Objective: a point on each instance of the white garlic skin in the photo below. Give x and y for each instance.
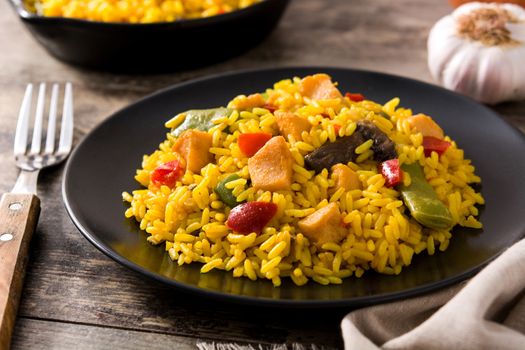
(489, 74)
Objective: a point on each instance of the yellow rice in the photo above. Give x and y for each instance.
(382, 236)
(133, 11)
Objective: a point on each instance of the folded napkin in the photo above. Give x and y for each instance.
(488, 312)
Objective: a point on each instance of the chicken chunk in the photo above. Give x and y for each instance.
(247, 102)
(271, 167)
(324, 225)
(194, 145)
(426, 126)
(319, 87)
(291, 124)
(345, 178)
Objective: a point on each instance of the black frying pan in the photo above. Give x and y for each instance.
(155, 47)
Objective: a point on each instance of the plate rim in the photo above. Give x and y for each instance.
(266, 301)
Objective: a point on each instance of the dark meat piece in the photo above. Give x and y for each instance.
(329, 154)
(343, 149)
(383, 147)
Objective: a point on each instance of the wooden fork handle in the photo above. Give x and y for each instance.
(18, 218)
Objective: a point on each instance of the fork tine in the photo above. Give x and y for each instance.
(66, 132)
(22, 126)
(37, 129)
(51, 123)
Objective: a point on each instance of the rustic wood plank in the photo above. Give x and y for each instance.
(68, 280)
(41, 334)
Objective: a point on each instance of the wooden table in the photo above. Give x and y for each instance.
(75, 296)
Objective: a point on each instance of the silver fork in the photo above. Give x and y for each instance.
(20, 208)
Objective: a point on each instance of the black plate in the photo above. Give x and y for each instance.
(154, 47)
(103, 166)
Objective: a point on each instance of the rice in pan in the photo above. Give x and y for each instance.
(132, 11)
(304, 182)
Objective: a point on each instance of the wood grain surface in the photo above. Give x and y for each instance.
(18, 218)
(76, 297)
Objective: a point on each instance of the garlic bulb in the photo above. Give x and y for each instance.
(479, 51)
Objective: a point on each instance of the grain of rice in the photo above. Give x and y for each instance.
(215, 263)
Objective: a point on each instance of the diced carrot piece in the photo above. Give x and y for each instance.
(291, 124)
(356, 97)
(271, 167)
(432, 144)
(345, 177)
(319, 87)
(426, 126)
(247, 102)
(194, 145)
(167, 173)
(250, 143)
(324, 225)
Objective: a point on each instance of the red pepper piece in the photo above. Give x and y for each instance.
(270, 107)
(337, 128)
(167, 173)
(354, 97)
(250, 143)
(433, 144)
(391, 172)
(251, 217)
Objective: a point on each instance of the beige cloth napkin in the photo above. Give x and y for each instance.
(486, 313)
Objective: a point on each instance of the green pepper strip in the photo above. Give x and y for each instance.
(200, 119)
(422, 200)
(225, 194)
